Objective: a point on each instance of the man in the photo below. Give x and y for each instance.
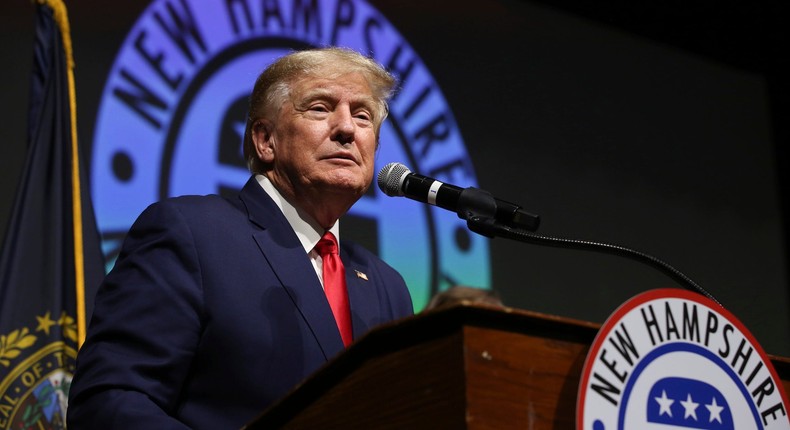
(216, 308)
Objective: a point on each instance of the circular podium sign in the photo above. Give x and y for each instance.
(671, 358)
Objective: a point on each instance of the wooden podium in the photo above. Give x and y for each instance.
(466, 367)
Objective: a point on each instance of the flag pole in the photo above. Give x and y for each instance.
(61, 19)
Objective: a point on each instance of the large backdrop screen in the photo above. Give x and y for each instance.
(609, 135)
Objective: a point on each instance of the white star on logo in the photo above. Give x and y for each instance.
(691, 408)
(664, 402)
(715, 411)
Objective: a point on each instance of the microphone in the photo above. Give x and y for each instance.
(396, 180)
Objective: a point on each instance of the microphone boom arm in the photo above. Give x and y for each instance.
(477, 208)
(492, 217)
(474, 202)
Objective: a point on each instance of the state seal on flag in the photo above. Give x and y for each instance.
(35, 374)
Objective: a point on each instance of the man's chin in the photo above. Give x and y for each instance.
(349, 178)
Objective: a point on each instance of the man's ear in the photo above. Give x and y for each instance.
(263, 140)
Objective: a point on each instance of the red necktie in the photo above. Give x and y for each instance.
(335, 284)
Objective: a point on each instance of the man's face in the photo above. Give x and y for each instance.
(323, 138)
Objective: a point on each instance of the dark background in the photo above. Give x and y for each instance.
(658, 125)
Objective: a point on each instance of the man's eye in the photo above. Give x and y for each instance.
(362, 115)
(319, 108)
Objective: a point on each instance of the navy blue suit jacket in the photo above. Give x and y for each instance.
(212, 312)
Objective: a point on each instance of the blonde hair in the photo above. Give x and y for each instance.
(273, 87)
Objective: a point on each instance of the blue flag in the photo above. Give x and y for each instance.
(51, 262)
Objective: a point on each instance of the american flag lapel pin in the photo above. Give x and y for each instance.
(361, 275)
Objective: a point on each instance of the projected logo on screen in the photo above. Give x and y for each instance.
(172, 115)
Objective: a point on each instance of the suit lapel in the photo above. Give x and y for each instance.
(362, 292)
(285, 254)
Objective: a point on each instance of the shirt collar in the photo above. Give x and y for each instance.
(306, 228)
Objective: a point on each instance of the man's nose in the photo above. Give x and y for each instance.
(343, 126)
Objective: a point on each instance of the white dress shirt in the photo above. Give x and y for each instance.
(306, 228)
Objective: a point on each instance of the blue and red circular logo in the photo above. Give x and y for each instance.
(674, 359)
